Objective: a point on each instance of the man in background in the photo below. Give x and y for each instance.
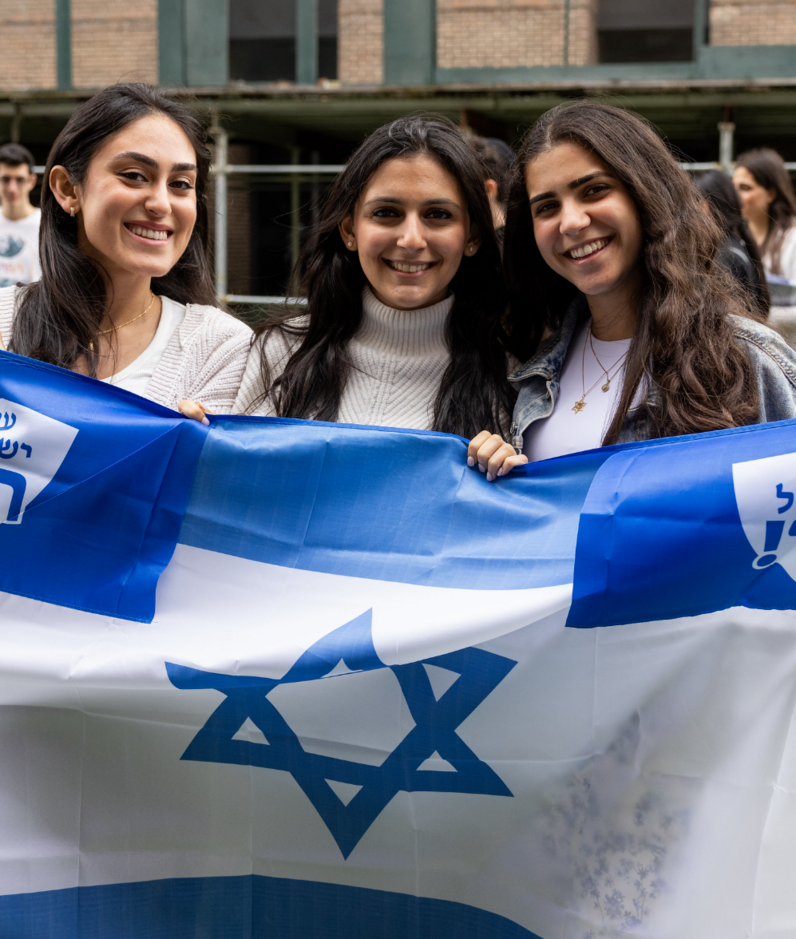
(19, 219)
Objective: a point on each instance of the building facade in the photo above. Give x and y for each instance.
(295, 84)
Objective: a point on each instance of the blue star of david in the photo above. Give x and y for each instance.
(436, 720)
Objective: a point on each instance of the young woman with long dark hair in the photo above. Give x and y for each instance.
(629, 329)
(126, 294)
(404, 296)
(738, 254)
(769, 207)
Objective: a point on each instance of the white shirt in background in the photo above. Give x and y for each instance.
(19, 249)
(566, 431)
(137, 375)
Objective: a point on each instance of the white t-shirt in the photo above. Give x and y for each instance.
(137, 375)
(568, 431)
(19, 249)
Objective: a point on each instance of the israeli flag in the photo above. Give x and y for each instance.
(276, 679)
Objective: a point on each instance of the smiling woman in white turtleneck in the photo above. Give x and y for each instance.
(397, 358)
(404, 297)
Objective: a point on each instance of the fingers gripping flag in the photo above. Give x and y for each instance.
(273, 678)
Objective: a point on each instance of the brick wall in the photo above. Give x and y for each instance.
(512, 33)
(360, 43)
(113, 40)
(27, 44)
(752, 22)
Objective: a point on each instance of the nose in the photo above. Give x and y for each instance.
(574, 217)
(157, 202)
(411, 236)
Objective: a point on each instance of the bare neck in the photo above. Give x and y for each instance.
(759, 228)
(16, 211)
(613, 317)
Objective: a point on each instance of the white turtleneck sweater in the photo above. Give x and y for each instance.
(398, 358)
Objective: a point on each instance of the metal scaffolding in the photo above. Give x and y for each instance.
(296, 173)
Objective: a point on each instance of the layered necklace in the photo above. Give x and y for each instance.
(608, 374)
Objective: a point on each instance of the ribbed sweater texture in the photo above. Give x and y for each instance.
(398, 358)
(204, 360)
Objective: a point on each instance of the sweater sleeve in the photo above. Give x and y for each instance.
(204, 361)
(277, 346)
(8, 301)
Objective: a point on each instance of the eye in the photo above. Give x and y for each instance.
(183, 184)
(385, 212)
(439, 214)
(544, 207)
(134, 176)
(596, 189)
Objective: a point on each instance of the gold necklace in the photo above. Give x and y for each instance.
(104, 332)
(616, 366)
(581, 404)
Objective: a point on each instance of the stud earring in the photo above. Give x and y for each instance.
(350, 243)
(72, 212)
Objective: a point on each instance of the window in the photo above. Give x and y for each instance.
(646, 30)
(262, 40)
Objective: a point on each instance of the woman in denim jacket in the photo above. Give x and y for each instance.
(628, 329)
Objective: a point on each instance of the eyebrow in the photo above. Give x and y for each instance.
(148, 161)
(393, 200)
(573, 185)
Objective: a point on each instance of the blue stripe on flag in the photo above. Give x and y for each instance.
(661, 536)
(249, 906)
(386, 504)
(117, 471)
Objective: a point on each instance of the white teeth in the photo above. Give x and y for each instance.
(149, 233)
(585, 250)
(409, 268)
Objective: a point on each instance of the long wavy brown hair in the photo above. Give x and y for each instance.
(768, 169)
(684, 345)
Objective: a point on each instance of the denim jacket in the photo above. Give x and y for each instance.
(538, 381)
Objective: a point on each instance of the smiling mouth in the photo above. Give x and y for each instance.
(585, 251)
(404, 268)
(150, 233)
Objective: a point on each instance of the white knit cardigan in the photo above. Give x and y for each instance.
(204, 360)
(398, 358)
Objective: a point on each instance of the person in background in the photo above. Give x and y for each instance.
(739, 254)
(629, 329)
(19, 218)
(126, 293)
(405, 299)
(498, 160)
(769, 207)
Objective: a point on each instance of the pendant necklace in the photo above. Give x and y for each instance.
(581, 404)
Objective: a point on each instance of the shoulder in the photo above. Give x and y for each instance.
(278, 342)
(209, 323)
(766, 348)
(275, 345)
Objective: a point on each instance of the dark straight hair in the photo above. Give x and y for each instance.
(684, 346)
(725, 203)
(473, 393)
(59, 316)
(768, 169)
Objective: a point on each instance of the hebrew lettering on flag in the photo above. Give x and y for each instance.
(32, 448)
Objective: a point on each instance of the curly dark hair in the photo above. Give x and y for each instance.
(473, 392)
(684, 345)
